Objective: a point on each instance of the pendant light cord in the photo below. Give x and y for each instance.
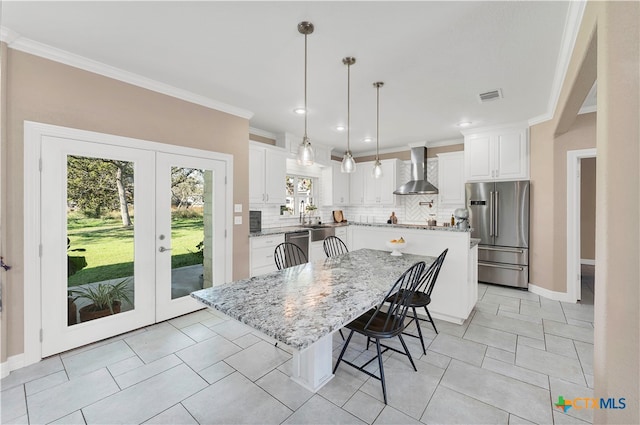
(348, 106)
(305, 87)
(378, 120)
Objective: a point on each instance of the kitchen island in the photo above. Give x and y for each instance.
(456, 290)
(303, 305)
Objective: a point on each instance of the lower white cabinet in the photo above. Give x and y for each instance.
(261, 254)
(341, 232)
(316, 251)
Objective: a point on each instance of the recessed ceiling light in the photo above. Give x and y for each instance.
(464, 124)
(299, 111)
(367, 140)
(340, 128)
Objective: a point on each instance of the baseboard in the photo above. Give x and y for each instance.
(12, 363)
(552, 295)
(587, 262)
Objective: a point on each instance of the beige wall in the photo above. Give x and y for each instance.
(617, 295)
(44, 91)
(608, 46)
(548, 254)
(406, 155)
(262, 139)
(3, 190)
(588, 209)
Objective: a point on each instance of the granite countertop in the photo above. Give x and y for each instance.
(414, 226)
(287, 229)
(299, 305)
(474, 242)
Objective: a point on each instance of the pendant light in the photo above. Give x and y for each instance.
(377, 167)
(348, 163)
(305, 151)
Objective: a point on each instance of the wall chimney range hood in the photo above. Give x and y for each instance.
(418, 185)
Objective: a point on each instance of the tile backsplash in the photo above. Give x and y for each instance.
(408, 208)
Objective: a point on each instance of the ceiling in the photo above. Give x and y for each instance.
(434, 58)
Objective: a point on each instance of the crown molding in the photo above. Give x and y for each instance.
(488, 129)
(8, 35)
(540, 119)
(569, 36)
(588, 109)
(57, 55)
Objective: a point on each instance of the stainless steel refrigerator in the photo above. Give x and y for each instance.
(499, 217)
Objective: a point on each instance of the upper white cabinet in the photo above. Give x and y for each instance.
(497, 155)
(380, 191)
(451, 178)
(356, 184)
(366, 190)
(267, 174)
(290, 143)
(335, 186)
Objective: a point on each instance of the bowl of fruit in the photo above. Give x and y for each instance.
(396, 245)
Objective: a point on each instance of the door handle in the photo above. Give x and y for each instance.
(491, 221)
(163, 249)
(497, 212)
(501, 266)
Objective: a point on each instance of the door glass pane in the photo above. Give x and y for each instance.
(100, 238)
(191, 213)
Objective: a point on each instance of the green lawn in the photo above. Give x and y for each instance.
(109, 247)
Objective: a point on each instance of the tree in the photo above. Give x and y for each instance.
(96, 185)
(187, 186)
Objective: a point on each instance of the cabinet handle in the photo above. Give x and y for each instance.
(267, 195)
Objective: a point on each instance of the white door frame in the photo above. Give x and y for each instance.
(573, 220)
(33, 134)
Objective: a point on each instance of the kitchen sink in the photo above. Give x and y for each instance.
(317, 226)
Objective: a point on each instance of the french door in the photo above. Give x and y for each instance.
(185, 184)
(144, 226)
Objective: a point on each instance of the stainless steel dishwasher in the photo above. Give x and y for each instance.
(300, 238)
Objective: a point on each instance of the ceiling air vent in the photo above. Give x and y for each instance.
(490, 95)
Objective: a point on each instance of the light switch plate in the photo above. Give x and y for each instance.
(237, 208)
(237, 219)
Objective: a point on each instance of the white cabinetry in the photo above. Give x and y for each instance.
(261, 257)
(380, 191)
(366, 190)
(316, 251)
(497, 155)
(290, 143)
(456, 290)
(335, 186)
(267, 173)
(451, 178)
(356, 185)
(341, 232)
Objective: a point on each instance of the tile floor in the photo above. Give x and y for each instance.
(507, 363)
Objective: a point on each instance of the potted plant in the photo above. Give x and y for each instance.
(74, 265)
(311, 209)
(105, 298)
